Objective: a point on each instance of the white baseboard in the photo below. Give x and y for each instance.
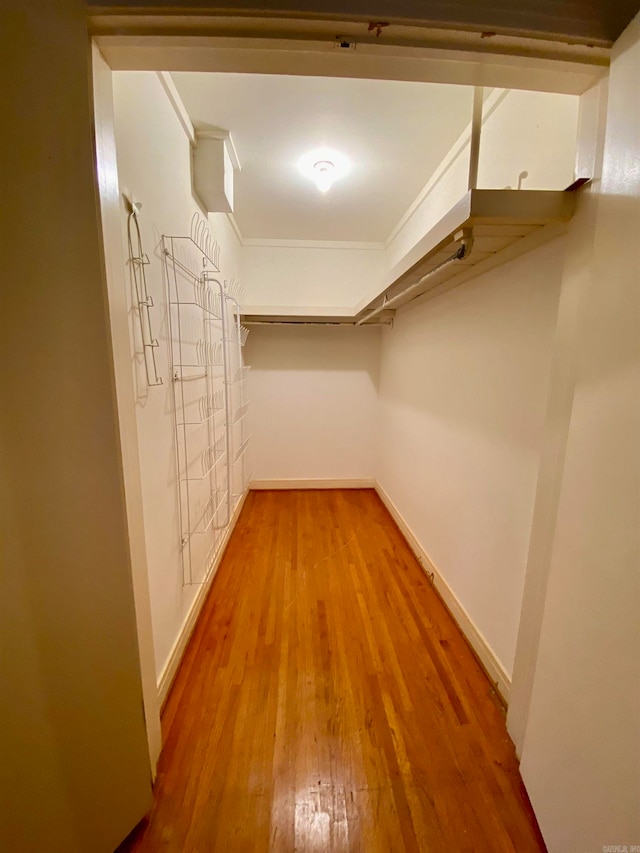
(258, 485)
(478, 643)
(173, 661)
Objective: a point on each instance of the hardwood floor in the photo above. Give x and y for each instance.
(327, 701)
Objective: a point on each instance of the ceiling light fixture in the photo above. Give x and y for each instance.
(324, 174)
(323, 166)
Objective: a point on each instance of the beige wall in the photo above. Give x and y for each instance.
(313, 393)
(581, 749)
(532, 132)
(75, 764)
(154, 166)
(119, 293)
(305, 278)
(576, 271)
(463, 385)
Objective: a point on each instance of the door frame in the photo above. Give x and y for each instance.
(275, 45)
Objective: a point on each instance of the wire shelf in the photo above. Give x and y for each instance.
(207, 354)
(206, 521)
(205, 338)
(241, 413)
(205, 408)
(242, 449)
(211, 312)
(208, 462)
(240, 374)
(199, 246)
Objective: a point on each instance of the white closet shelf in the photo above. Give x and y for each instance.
(497, 225)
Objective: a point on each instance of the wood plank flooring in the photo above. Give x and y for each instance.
(328, 702)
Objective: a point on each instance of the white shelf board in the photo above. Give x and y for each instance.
(504, 224)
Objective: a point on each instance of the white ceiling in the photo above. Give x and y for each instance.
(394, 133)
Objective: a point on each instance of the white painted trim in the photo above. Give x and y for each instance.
(236, 227)
(233, 153)
(259, 485)
(305, 50)
(259, 242)
(300, 310)
(172, 665)
(117, 289)
(176, 102)
(476, 640)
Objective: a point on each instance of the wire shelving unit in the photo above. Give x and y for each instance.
(209, 397)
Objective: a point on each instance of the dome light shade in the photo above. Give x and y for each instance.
(323, 166)
(324, 174)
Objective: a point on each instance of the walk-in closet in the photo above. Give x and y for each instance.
(320, 406)
(353, 287)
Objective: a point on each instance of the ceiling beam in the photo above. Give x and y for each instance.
(573, 21)
(312, 48)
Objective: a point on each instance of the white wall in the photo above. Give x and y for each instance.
(462, 398)
(581, 752)
(576, 270)
(313, 397)
(74, 771)
(532, 132)
(310, 277)
(154, 165)
(521, 131)
(118, 297)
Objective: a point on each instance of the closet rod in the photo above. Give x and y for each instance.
(461, 253)
(384, 322)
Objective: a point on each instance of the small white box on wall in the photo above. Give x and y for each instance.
(214, 164)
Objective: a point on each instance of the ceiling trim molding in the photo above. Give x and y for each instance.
(311, 312)
(266, 243)
(176, 102)
(236, 228)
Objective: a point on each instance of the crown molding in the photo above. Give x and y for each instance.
(235, 227)
(258, 243)
(178, 106)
